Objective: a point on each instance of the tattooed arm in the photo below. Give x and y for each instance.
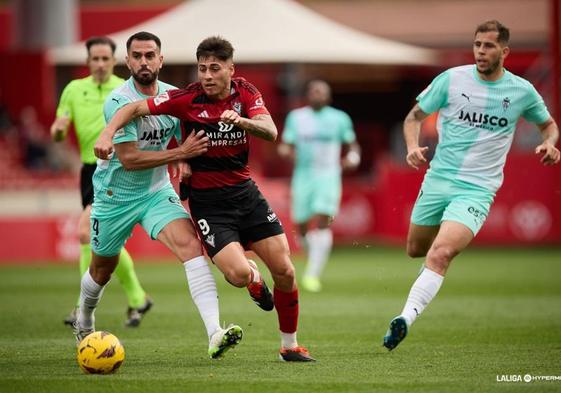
(411, 131)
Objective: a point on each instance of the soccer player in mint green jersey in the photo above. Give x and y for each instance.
(81, 103)
(313, 137)
(133, 187)
(479, 106)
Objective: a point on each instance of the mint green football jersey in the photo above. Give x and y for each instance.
(476, 123)
(112, 182)
(317, 137)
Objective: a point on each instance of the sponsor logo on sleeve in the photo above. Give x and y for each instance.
(259, 103)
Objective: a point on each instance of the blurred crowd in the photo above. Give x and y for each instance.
(25, 142)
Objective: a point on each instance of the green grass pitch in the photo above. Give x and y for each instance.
(498, 313)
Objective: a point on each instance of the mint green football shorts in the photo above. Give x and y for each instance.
(446, 200)
(112, 224)
(312, 195)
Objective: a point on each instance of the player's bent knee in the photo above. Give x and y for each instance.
(439, 257)
(188, 247)
(238, 276)
(284, 276)
(101, 275)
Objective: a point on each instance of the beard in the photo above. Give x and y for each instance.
(491, 69)
(145, 79)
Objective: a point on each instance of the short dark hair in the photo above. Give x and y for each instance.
(144, 36)
(495, 25)
(100, 40)
(215, 46)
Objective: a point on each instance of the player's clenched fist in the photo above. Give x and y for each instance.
(103, 146)
(230, 117)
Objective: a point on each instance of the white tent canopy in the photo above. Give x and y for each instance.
(261, 31)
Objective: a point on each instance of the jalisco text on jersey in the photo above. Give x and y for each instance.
(155, 134)
(483, 118)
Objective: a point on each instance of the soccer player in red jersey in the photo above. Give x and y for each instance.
(230, 212)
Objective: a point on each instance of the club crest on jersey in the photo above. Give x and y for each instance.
(506, 103)
(210, 239)
(161, 98)
(237, 106)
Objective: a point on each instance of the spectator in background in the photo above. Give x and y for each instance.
(35, 140)
(81, 103)
(313, 138)
(7, 128)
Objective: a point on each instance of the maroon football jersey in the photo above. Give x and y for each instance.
(226, 161)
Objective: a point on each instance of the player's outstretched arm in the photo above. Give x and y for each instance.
(261, 126)
(550, 135)
(134, 159)
(411, 130)
(104, 144)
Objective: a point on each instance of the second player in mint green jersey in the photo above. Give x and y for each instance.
(314, 136)
(476, 122)
(479, 106)
(81, 103)
(133, 187)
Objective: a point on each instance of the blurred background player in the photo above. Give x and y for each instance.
(133, 187)
(230, 211)
(81, 103)
(479, 106)
(313, 137)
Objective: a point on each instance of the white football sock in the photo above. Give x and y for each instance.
(203, 292)
(90, 294)
(320, 242)
(288, 340)
(422, 292)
